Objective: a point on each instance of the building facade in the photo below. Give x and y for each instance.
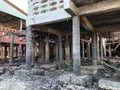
(71, 28)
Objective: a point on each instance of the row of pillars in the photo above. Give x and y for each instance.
(43, 49)
(98, 47)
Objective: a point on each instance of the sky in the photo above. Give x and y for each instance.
(22, 4)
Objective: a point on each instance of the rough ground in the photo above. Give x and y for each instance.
(44, 80)
(17, 78)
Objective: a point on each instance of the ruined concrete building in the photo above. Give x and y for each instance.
(72, 30)
(12, 22)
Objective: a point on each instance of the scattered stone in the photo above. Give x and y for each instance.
(108, 84)
(77, 80)
(22, 66)
(21, 72)
(2, 70)
(48, 67)
(37, 72)
(75, 87)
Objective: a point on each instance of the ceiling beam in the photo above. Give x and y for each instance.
(101, 7)
(87, 24)
(48, 30)
(70, 7)
(109, 28)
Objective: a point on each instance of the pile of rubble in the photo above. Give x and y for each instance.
(48, 78)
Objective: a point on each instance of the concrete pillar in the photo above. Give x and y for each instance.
(21, 25)
(67, 48)
(19, 50)
(76, 45)
(29, 47)
(94, 51)
(101, 47)
(110, 54)
(42, 50)
(98, 49)
(56, 50)
(33, 52)
(88, 49)
(83, 49)
(47, 49)
(11, 48)
(60, 48)
(5, 52)
(104, 46)
(19, 47)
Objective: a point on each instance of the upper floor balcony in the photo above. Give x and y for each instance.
(47, 11)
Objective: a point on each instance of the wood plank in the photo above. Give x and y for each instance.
(101, 7)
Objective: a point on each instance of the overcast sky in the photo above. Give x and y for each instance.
(22, 4)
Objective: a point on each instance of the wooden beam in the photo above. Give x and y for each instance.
(101, 7)
(70, 7)
(87, 24)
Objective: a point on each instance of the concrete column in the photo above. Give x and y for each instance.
(98, 49)
(60, 48)
(5, 52)
(19, 47)
(47, 49)
(11, 48)
(28, 47)
(19, 51)
(56, 50)
(83, 49)
(21, 25)
(33, 52)
(104, 46)
(101, 47)
(67, 48)
(42, 50)
(76, 45)
(88, 49)
(94, 51)
(110, 54)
